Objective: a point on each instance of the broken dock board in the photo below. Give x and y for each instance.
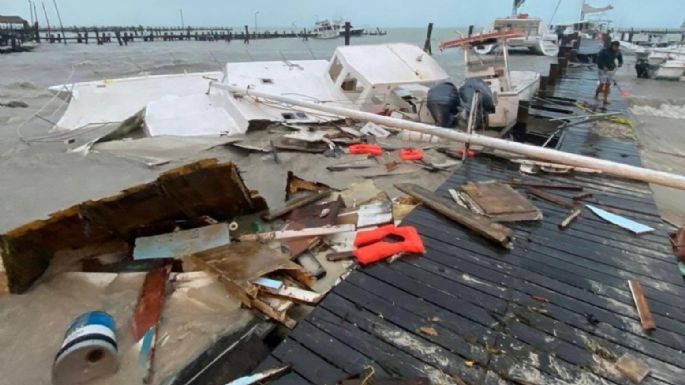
(557, 200)
(642, 307)
(477, 223)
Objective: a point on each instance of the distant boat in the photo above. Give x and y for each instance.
(377, 32)
(327, 29)
(535, 34)
(324, 29)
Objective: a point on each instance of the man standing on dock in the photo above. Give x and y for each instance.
(606, 63)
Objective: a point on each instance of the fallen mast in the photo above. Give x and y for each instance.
(609, 167)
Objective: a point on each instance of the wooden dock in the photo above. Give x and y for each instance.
(557, 309)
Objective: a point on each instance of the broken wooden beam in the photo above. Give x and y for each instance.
(289, 234)
(146, 318)
(581, 196)
(295, 203)
(476, 223)
(553, 186)
(572, 217)
(544, 195)
(641, 304)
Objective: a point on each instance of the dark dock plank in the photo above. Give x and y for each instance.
(503, 317)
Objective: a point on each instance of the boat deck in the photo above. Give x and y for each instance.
(554, 310)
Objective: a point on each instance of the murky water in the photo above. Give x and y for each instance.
(53, 63)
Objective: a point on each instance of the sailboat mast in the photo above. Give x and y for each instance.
(582, 11)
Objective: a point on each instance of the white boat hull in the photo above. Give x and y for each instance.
(671, 70)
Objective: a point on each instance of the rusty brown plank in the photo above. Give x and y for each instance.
(641, 304)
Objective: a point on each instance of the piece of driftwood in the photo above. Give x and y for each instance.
(295, 203)
(641, 304)
(288, 234)
(557, 200)
(572, 217)
(476, 223)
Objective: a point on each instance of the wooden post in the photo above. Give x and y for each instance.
(36, 30)
(347, 33)
(247, 36)
(85, 35)
(118, 35)
(427, 45)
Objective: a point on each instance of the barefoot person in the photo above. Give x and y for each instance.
(606, 63)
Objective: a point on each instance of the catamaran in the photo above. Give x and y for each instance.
(535, 34)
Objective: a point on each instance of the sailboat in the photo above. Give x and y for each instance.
(535, 34)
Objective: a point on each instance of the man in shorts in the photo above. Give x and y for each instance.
(606, 65)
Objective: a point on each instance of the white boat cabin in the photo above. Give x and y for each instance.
(375, 78)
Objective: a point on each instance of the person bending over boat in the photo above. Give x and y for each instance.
(443, 103)
(606, 64)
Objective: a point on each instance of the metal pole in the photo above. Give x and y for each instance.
(180, 10)
(60, 21)
(255, 22)
(31, 12)
(47, 21)
(547, 154)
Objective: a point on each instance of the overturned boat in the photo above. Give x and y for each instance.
(385, 79)
(508, 87)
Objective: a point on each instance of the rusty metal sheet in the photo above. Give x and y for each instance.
(180, 243)
(500, 202)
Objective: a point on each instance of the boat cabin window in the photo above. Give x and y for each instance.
(335, 69)
(352, 87)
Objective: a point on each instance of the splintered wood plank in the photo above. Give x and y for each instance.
(477, 223)
(497, 198)
(642, 307)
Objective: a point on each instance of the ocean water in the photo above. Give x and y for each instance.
(52, 64)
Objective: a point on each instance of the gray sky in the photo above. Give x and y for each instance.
(386, 13)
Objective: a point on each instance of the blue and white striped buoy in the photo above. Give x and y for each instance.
(89, 350)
